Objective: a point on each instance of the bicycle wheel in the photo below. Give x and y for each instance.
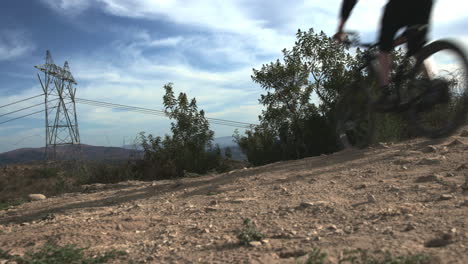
(354, 119)
(440, 80)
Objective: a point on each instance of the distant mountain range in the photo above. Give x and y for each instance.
(97, 152)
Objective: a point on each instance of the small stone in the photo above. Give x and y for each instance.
(255, 243)
(242, 200)
(429, 149)
(265, 241)
(332, 227)
(348, 230)
(306, 205)
(446, 197)
(371, 198)
(214, 202)
(119, 227)
(360, 186)
(404, 168)
(383, 145)
(449, 174)
(313, 204)
(409, 227)
(37, 197)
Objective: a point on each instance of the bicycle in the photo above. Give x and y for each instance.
(432, 101)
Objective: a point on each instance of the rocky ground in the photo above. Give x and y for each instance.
(405, 198)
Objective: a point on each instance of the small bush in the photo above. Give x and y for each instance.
(249, 233)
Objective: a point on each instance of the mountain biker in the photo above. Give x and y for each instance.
(397, 14)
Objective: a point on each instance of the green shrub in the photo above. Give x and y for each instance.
(249, 233)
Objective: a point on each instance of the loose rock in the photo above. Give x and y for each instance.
(255, 243)
(37, 197)
(360, 186)
(446, 197)
(371, 198)
(429, 149)
(383, 145)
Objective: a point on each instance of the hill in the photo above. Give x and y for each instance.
(100, 153)
(88, 152)
(407, 198)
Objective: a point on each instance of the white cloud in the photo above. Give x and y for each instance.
(68, 7)
(447, 11)
(14, 44)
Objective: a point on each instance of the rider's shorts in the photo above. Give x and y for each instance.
(403, 13)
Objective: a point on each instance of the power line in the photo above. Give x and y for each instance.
(154, 112)
(22, 100)
(159, 112)
(141, 110)
(22, 109)
(151, 112)
(22, 117)
(2, 115)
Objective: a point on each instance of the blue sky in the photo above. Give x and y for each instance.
(124, 51)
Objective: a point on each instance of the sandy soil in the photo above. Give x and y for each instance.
(405, 198)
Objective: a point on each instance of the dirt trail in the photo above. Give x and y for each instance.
(394, 198)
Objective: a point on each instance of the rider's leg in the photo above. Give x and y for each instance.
(393, 19)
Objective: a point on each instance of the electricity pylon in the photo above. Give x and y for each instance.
(60, 110)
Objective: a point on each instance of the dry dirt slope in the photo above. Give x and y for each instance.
(396, 198)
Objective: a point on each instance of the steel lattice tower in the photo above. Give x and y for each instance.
(60, 110)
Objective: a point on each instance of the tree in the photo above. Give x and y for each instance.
(292, 126)
(190, 147)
